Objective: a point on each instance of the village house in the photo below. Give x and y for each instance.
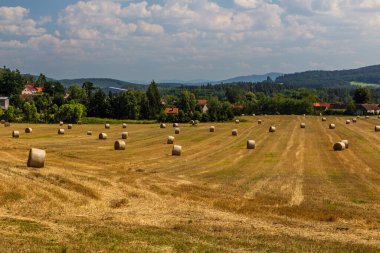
(171, 110)
(4, 103)
(203, 104)
(365, 109)
(29, 90)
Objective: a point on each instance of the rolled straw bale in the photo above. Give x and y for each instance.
(212, 129)
(162, 125)
(28, 130)
(377, 128)
(272, 129)
(345, 143)
(302, 125)
(36, 158)
(366, 117)
(332, 126)
(124, 135)
(234, 132)
(61, 131)
(196, 122)
(259, 121)
(192, 122)
(124, 125)
(119, 145)
(251, 144)
(237, 121)
(304, 115)
(69, 126)
(177, 150)
(348, 122)
(176, 130)
(15, 134)
(89, 132)
(103, 136)
(354, 120)
(175, 125)
(170, 140)
(324, 119)
(253, 114)
(2, 121)
(107, 126)
(7, 124)
(339, 146)
(61, 123)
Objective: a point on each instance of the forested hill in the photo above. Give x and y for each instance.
(104, 83)
(322, 79)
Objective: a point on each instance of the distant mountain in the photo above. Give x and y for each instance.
(252, 78)
(320, 79)
(104, 83)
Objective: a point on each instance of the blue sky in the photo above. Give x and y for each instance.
(186, 39)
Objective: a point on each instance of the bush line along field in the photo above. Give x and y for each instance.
(292, 193)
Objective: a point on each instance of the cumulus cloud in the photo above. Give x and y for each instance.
(15, 21)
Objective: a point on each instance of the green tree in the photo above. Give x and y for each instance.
(154, 100)
(71, 112)
(41, 81)
(187, 102)
(30, 112)
(76, 93)
(9, 114)
(362, 95)
(11, 82)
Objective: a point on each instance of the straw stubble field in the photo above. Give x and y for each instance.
(292, 193)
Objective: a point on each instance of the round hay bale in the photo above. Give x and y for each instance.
(15, 134)
(212, 129)
(378, 116)
(339, 146)
(302, 125)
(366, 117)
(170, 140)
(124, 135)
(175, 125)
(103, 136)
(36, 158)
(162, 125)
(176, 130)
(69, 126)
(345, 143)
(107, 126)
(61, 123)
(253, 114)
(237, 121)
(259, 121)
(332, 126)
(251, 144)
(272, 129)
(7, 124)
(61, 131)
(324, 119)
(89, 132)
(377, 128)
(177, 150)
(234, 132)
(28, 130)
(124, 125)
(2, 121)
(196, 122)
(192, 122)
(348, 122)
(354, 120)
(119, 145)
(304, 115)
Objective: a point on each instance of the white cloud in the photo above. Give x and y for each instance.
(247, 3)
(14, 21)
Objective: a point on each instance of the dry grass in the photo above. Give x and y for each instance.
(291, 194)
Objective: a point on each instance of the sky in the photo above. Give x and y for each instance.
(186, 39)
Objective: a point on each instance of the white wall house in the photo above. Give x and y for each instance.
(4, 103)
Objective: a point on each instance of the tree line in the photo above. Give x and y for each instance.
(58, 103)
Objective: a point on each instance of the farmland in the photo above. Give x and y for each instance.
(292, 193)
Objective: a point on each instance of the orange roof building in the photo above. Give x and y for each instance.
(171, 110)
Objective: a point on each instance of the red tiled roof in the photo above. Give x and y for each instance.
(326, 105)
(171, 110)
(202, 102)
(369, 107)
(40, 89)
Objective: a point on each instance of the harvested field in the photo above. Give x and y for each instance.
(292, 193)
